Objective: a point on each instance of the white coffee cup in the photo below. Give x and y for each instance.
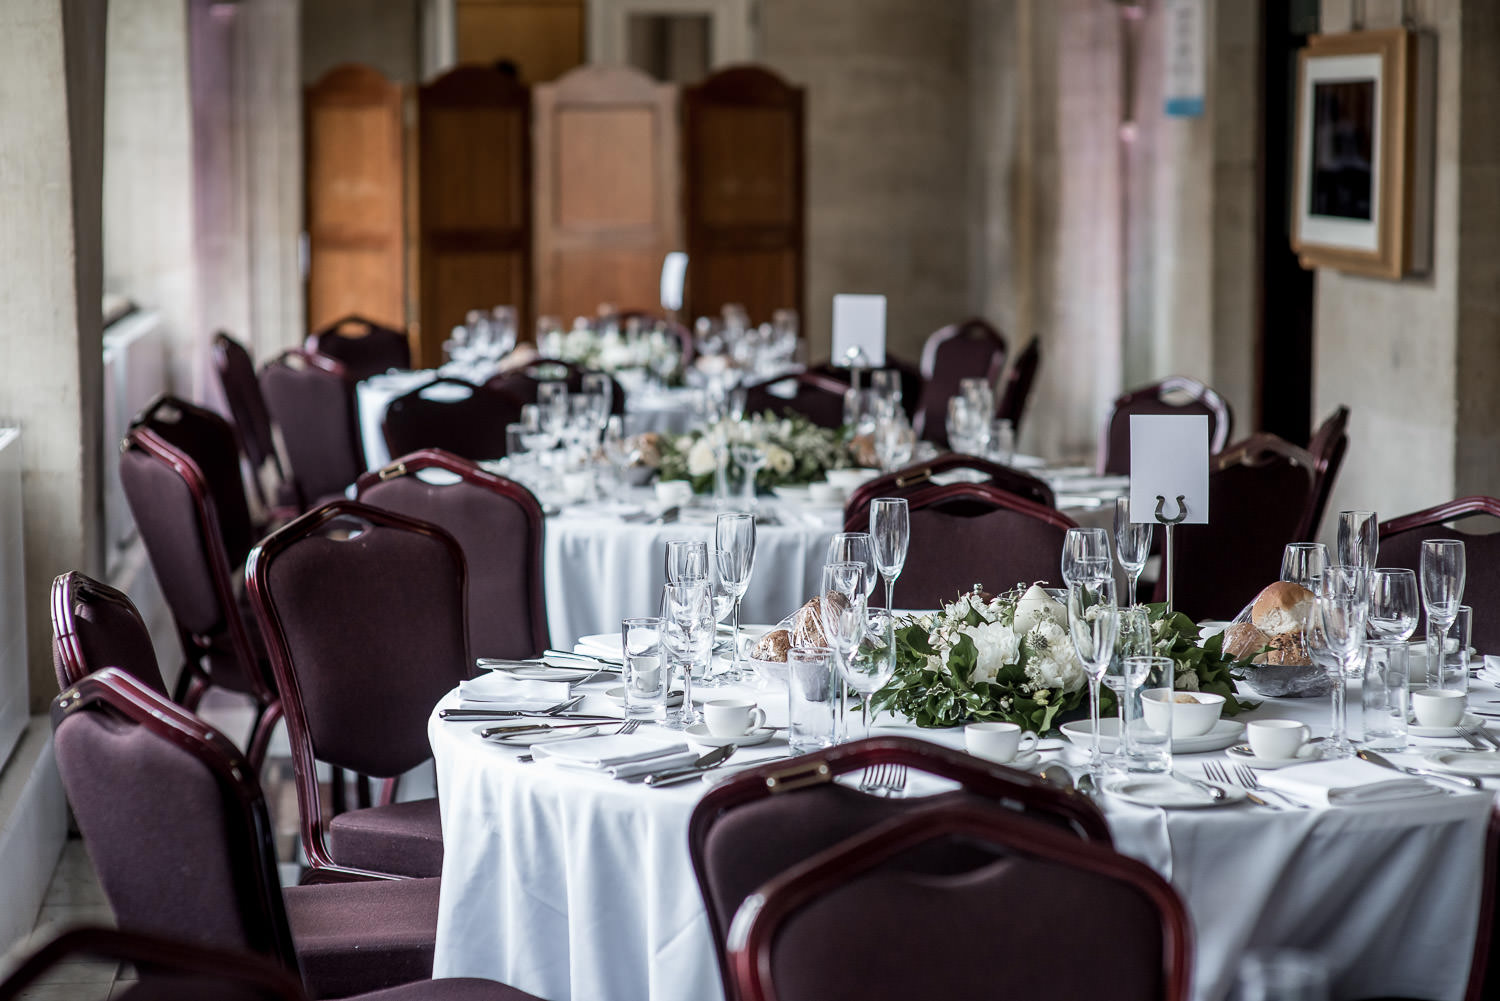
(997, 742)
(671, 492)
(1276, 739)
(1439, 707)
(732, 717)
(825, 493)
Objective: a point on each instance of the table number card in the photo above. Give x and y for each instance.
(859, 325)
(1168, 458)
(673, 278)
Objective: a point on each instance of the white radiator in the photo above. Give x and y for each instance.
(135, 370)
(14, 685)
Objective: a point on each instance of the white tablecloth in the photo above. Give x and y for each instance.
(575, 886)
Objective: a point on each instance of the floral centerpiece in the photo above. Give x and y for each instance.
(1010, 658)
(796, 451)
(612, 351)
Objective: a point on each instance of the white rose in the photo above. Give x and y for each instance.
(997, 647)
(700, 459)
(1053, 662)
(780, 460)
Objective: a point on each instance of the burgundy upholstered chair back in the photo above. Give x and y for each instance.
(909, 374)
(1174, 395)
(95, 626)
(172, 816)
(819, 398)
(246, 404)
(1015, 388)
(440, 415)
(761, 822)
(974, 533)
(857, 898)
(969, 350)
(498, 524)
(1260, 496)
(521, 384)
(311, 398)
(364, 348)
(1327, 447)
(917, 476)
(1401, 546)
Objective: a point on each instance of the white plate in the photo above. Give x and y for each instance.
(544, 672)
(1021, 762)
(617, 696)
(1469, 721)
(792, 493)
(1224, 733)
(1169, 792)
(1479, 763)
(548, 736)
(1243, 754)
(698, 734)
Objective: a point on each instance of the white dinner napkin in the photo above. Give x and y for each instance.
(1346, 782)
(618, 756)
(599, 645)
(497, 690)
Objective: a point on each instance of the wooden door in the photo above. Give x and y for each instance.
(607, 190)
(473, 200)
(542, 38)
(743, 137)
(354, 198)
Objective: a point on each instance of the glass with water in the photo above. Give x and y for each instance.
(1149, 746)
(644, 680)
(1384, 694)
(812, 698)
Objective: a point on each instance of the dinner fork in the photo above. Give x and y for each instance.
(1246, 776)
(884, 779)
(629, 726)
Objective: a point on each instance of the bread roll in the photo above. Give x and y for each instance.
(773, 646)
(1243, 641)
(1288, 649)
(807, 625)
(1281, 608)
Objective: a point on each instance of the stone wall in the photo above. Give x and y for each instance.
(384, 34)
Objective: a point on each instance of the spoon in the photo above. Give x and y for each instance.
(1057, 775)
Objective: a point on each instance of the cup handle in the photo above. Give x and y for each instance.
(1028, 741)
(757, 720)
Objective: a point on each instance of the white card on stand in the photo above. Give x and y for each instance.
(859, 324)
(673, 278)
(1169, 458)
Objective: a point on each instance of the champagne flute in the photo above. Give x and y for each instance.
(1132, 545)
(1393, 603)
(890, 528)
(1443, 574)
(688, 629)
(873, 661)
(1085, 555)
(1358, 540)
(842, 614)
(855, 547)
(1303, 563)
(1093, 622)
(734, 534)
(1343, 602)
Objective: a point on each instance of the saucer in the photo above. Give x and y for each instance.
(617, 696)
(545, 672)
(1482, 764)
(1170, 793)
(548, 736)
(1224, 733)
(1245, 756)
(1024, 762)
(698, 734)
(1469, 721)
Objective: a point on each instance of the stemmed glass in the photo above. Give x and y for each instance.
(1132, 545)
(890, 530)
(1359, 539)
(1303, 563)
(621, 450)
(1443, 573)
(1085, 555)
(1393, 603)
(1132, 643)
(1093, 622)
(855, 547)
(843, 614)
(751, 459)
(688, 629)
(871, 665)
(686, 560)
(734, 535)
(1343, 602)
(894, 442)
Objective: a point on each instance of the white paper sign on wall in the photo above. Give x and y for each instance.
(859, 325)
(1169, 458)
(1185, 72)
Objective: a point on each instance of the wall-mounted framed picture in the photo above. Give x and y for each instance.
(1364, 153)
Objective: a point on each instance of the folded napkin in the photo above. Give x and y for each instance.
(620, 757)
(497, 690)
(599, 645)
(1346, 782)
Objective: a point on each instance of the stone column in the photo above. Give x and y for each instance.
(51, 367)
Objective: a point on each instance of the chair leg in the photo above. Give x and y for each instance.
(266, 719)
(196, 688)
(337, 793)
(362, 792)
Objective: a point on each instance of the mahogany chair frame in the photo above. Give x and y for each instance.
(1016, 386)
(1015, 789)
(252, 419)
(1435, 516)
(322, 867)
(1262, 448)
(335, 332)
(1210, 398)
(903, 481)
(434, 458)
(762, 916)
(933, 495)
(1327, 448)
(815, 381)
(68, 590)
(295, 358)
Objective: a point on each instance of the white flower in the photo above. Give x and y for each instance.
(780, 461)
(1053, 662)
(700, 459)
(1187, 681)
(997, 647)
(1036, 606)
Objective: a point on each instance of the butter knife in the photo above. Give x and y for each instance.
(670, 776)
(1464, 782)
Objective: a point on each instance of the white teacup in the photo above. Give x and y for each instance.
(997, 742)
(825, 493)
(671, 492)
(732, 717)
(1276, 739)
(1439, 707)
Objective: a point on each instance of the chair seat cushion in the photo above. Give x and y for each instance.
(405, 839)
(365, 936)
(455, 989)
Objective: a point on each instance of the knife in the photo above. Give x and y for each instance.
(476, 715)
(712, 759)
(588, 657)
(1464, 782)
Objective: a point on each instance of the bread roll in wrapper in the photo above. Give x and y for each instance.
(1271, 634)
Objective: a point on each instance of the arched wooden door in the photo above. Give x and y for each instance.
(473, 201)
(743, 139)
(607, 189)
(355, 186)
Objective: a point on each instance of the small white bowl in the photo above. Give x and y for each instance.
(674, 491)
(850, 479)
(1189, 719)
(824, 493)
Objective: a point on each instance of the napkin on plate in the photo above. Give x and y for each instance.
(599, 645)
(499, 691)
(620, 757)
(1346, 782)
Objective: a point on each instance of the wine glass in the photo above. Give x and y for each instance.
(855, 547)
(1359, 539)
(1093, 622)
(1085, 555)
(1132, 642)
(688, 629)
(1132, 544)
(1443, 573)
(871, 665)
(890, 530)
(886, 382)
(842, 612)
(734, 536)
(1343, 602)
(751, 458)
(894, 442)
(686, 560)
(1303, 563)
(620, 449)
(1393, 603)
(724, 602)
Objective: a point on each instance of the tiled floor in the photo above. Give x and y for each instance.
(74, 897)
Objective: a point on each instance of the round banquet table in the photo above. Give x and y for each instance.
(572, 885)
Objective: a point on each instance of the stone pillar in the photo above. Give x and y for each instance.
(51, 179)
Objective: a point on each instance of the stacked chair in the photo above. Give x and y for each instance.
(363, 347)
(268, 474)
(311, 398)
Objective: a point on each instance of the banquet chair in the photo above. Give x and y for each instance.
(311, 398)
(1175, 394)
(1327, 447)
(918, 475)
(498, 525)
(1401, 541)
(521, 384)
(971, 349)
(859, 897)
(1015, 388)
(364, 612)
(1261, 495)
(453, 415)
(909, 374)
(973, 533)
(95, 626)
(819, 398)
(253, 421)
(178, 831)
(189, 508)
(762, 821)
(363, 347)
